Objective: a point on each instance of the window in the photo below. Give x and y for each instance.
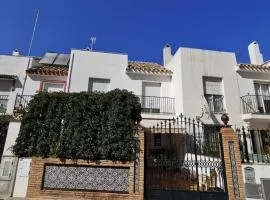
(213, 93)
(249, 175)
(7, 168)
(53, 87)
(3, 103)
(157, 139)
(151, 101)
(98, 84)
(262, 92)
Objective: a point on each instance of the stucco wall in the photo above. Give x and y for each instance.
(13, 131)
(189, 66)
(177, 86)
(261, 171)
(15, 65)
(86, 64)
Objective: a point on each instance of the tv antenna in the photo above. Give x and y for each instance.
(93, 41)
(33, 33)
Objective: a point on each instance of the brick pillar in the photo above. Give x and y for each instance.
(232, 162)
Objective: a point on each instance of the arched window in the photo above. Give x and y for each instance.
(249, 175)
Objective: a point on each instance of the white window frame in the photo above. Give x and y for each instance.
(150, 103)
(55, 83)
(91, 80)
(212, 97)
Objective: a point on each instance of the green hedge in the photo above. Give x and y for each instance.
(80, 126)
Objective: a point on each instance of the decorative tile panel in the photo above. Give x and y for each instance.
(234, 170)
(70, 177)
(136, 167)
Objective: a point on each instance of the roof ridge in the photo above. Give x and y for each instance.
(145, 62)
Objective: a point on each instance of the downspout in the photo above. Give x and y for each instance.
(70, 72)
(25, 78)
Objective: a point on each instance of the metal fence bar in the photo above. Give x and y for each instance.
(187, 157)
(254, 145)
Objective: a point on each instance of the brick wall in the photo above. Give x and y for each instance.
(35, 190)
(228, 135)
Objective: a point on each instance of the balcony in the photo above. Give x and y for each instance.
(21, 102)
(3, 103)
(157, 105)
(255, 107)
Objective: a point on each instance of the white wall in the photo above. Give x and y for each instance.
(176, 83)
(22, 176)
(15, 65)
(86, 64)
(12, 134)
(189, 66)
(261, 171)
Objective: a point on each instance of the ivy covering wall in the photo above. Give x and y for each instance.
(80, 126)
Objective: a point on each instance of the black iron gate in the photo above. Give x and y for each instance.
(183, 160)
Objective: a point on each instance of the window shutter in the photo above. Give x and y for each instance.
(151, 89)
(53, 87)
(212, 86)
(98, 84)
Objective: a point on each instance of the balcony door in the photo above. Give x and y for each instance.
(151, 97)
(213, 94)
(262, 91)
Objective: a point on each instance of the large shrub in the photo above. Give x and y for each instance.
(80, 126)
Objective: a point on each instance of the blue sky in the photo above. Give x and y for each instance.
(139, 28)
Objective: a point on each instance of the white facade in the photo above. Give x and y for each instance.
(203, 84)
(189, 67)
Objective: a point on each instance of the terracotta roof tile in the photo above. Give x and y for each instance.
(52, 70)
(253, 67)
(147, 67)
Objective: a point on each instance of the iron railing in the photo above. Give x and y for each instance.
(254, 145)
(3, 103)
(22, 101)
(256, 104)
(215, 103)
(153, 104)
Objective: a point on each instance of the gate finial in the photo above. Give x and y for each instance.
(225, 119)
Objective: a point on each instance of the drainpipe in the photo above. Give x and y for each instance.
(25, 78)
(70, 72)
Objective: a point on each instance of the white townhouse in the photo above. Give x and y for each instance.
(206, 84)
(81, 70)
(254, 82)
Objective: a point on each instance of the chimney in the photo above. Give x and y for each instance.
(16, 52)
(255, 55)
(167, 54)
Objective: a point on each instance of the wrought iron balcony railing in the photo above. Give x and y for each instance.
(22, 101)
(3, 103)
(150, 104)
(155, 105)
(256, 104)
